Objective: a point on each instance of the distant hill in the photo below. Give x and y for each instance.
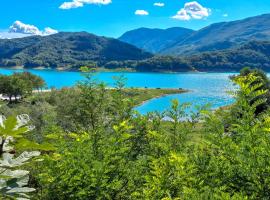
(219, 36)
(155, 40)
(223, 36)
(254, 54)
(69, 50)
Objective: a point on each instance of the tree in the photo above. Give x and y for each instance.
(20, 84)
(264, 83)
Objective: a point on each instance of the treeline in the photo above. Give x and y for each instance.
(103, 149)
(155, 64)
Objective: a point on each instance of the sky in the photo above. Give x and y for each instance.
(114, 17)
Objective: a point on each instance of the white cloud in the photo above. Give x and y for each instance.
(225, 15)
(141, 12)
(49, 31)
(159, 4)
(182, 15)
(72, 4)
(192, 10)
(81, 3)
(19, 27)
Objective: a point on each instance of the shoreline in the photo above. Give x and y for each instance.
(139, 95)
(160, 96)
(123, 70)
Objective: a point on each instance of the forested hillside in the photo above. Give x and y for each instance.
(68, 50)
(255, 54)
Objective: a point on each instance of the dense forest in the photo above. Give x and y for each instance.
(87, 142)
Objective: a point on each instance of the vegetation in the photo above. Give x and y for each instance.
(140, 95)
(254, 54)
(14, 180)
(20, 85)
(103, 149)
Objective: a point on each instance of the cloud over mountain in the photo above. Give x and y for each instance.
(192, 10)
(19, 27)
(27, 29)
(81, 3)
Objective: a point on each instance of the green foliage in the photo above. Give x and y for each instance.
(20, 85)
(14, 181)
(105, 150)
(234, 159)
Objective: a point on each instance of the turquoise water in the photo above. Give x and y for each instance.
(205, 87)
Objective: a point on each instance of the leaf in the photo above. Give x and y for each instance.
(24, 144)
(8, 160)
(21, 190)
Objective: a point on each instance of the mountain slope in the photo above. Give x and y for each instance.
(66, 50)
(254, 54)
(223, 35)
(155, 40)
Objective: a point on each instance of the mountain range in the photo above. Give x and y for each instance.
(226, 46)
(219, 36)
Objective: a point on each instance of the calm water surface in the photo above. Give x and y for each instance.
(205, 87)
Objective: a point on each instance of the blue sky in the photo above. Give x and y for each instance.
(115, 18)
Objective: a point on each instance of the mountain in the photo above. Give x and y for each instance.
(155, 40)
(69, 50)
(219, 36)
(254, 54)
(223, 36)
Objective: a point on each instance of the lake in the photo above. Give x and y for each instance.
(205, 87)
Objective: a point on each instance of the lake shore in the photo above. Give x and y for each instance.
(139, 95)
(143, 95)
(102, 69)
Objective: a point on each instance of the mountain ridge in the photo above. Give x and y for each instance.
(155, 40)
(217, 36)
